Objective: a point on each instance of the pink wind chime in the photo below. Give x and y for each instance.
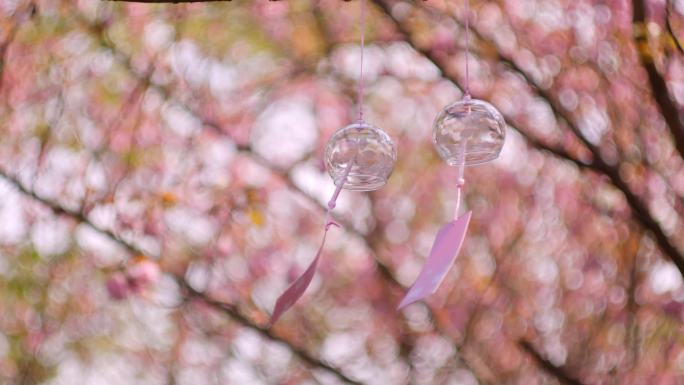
(361, 157)
(358, 157)
(465, 133)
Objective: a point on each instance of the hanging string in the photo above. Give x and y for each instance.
(299, 286)
(444, 250)
(467, 53)
(460, 181)
(362, 23)
(333, 200)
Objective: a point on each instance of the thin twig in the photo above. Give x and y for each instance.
(670, 30)
(558, 372)
(661, 94)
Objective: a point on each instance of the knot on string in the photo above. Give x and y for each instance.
(328, 216)
(331, 223)
(460, 182)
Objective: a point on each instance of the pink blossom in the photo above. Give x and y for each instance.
(142, 273)
(117, 286)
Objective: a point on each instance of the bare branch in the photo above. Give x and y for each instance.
(668, 108)
(670, 30)
(558, 372)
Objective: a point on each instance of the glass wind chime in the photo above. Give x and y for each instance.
(358, 157)
(361, 157)
(467, 132)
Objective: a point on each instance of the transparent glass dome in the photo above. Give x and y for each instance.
(362, 152)
(472, 127)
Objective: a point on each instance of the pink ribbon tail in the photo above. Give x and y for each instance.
(442, 256)
(299, 286)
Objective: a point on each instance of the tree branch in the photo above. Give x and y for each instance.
(661, 94)
(265, 332)
(549, 367)
(670, 30)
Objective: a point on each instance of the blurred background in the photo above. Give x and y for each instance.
(162, 181)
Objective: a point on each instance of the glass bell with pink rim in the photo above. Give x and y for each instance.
(360, 157)
(471, 131)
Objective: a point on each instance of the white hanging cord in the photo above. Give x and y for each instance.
(460, 181)
(363, 45)
(467, 58)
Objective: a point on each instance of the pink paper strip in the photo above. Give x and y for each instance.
(299, 286)
(442, 256)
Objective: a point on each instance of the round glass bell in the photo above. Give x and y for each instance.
(470, 131)
(362, 152)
